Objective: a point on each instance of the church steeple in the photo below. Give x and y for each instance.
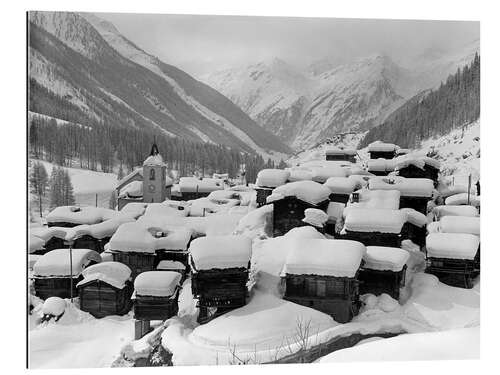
(154, 148)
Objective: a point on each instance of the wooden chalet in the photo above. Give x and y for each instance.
(414, 192)
(417, 167)
(54, 275)
(335, 213)
(51, 238)
(341, 188)
(193, 188)
(383, 271)
(323, 274)
(374, 227)
(156, 295)
(382, 150)
(453, 258)
(340, 154)
(415, 227)
(219, 273)
(106, 289)
(292, 199)
(267, 180)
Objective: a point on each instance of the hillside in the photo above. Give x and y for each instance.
(88, 73)
(455, 103)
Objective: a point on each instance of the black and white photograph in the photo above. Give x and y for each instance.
(220, 190)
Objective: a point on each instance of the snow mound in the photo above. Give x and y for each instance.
(307, 191)
(272, 177)
(315, 217)
(342, 185)
(54, 306)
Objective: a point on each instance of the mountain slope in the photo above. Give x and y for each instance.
(101, 76)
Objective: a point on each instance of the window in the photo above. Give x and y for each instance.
(151, 174)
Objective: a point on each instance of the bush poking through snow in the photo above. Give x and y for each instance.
(53, 307)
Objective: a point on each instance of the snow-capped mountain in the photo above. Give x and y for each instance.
(305, 106)
(82, 65)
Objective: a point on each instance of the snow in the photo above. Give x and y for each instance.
(132, 189)
(463, 199)
(414, 217)
(409, 187)
(54, 306)
(325, 171)
(140, 236)
(35, 243)
(134, 209)
(307, 191)
(342, 185)
(315, 217)
(272, 177)
(413, 159)
(170, 265)
(300, 174)
(446, 191)
(81, 215)
(101, 230)
(381, 199)
(206, 206)
(112, 273)
(374, 220)
(164, 209)
(157, 283)
(304, 232)
(451, 210)
(461, 224)
(459, 344)
(452, 245)
(254, 222)
(154, 160)
(380, 165)
(335, 210)
(434, 227)
(56, 263)
(339, 151)
(220, 252)
(381, 146)
(338, 258)
(385, 258)
(193, 184)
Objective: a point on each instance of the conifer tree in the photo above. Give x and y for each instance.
(38, 180)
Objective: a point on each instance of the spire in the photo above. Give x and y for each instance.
(154, 148)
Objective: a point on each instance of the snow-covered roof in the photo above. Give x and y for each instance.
(414, 217)
(132, 189)
(461, 224)
(374, 220)
(134, 209)
(324, 257)
(141, 237)
(170, 265)
(193, 184)
(35, 243)
(403, 151)
(272, 177)
(385, 258)
(381, 199)
(408, 187)
(324, 172)
(342, 185)
(46, 233)
(81, 215)
(449, 210)
(304, 232)
(101, 230)
(137, 171)
(434, 227)
(220, 252)
(418, 161)
(56, 263)
(154, 160)
(459, 199)
(307, 191)
(379, 146)
(339, 151)
(335, 210)
(204, 206)
(300, 174)
(112, 273)
(157, 283)
(380, 165)
(54, 306)
(314, 216)
(446, 191)
(452, 245)
(164, 209)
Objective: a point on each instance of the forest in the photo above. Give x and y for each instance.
(455, 103)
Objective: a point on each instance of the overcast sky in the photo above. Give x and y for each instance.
(200, 44)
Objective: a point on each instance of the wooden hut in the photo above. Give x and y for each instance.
(452, 257)
(323, 274)
(106, 289)
(374, 227)
(417, 167)
(52, 238)
(341, 188)
(415, 192)
(415, 227)
(52, 272)
(219, 273)
(133, 245)
(382, 150)
(172, 243)
(267, 180)
(383, 271)
(335, 213)
(341, 154)
(291, 200)
(377, 199)
(156, 295)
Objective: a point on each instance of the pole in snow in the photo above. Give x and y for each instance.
(70, 243)
(468, 189)
(96, 200)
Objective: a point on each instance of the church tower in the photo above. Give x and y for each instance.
(154, 177)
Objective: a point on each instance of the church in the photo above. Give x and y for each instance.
(149, 184)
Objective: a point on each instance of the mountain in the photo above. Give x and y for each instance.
(83, 70)
(306, 106)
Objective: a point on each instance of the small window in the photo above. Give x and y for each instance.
(152, 175)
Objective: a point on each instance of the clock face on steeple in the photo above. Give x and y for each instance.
(151, 188)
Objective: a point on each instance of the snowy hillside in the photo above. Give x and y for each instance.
(86, 62)
(303, 106)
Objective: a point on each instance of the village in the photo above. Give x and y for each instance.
(299, 267)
